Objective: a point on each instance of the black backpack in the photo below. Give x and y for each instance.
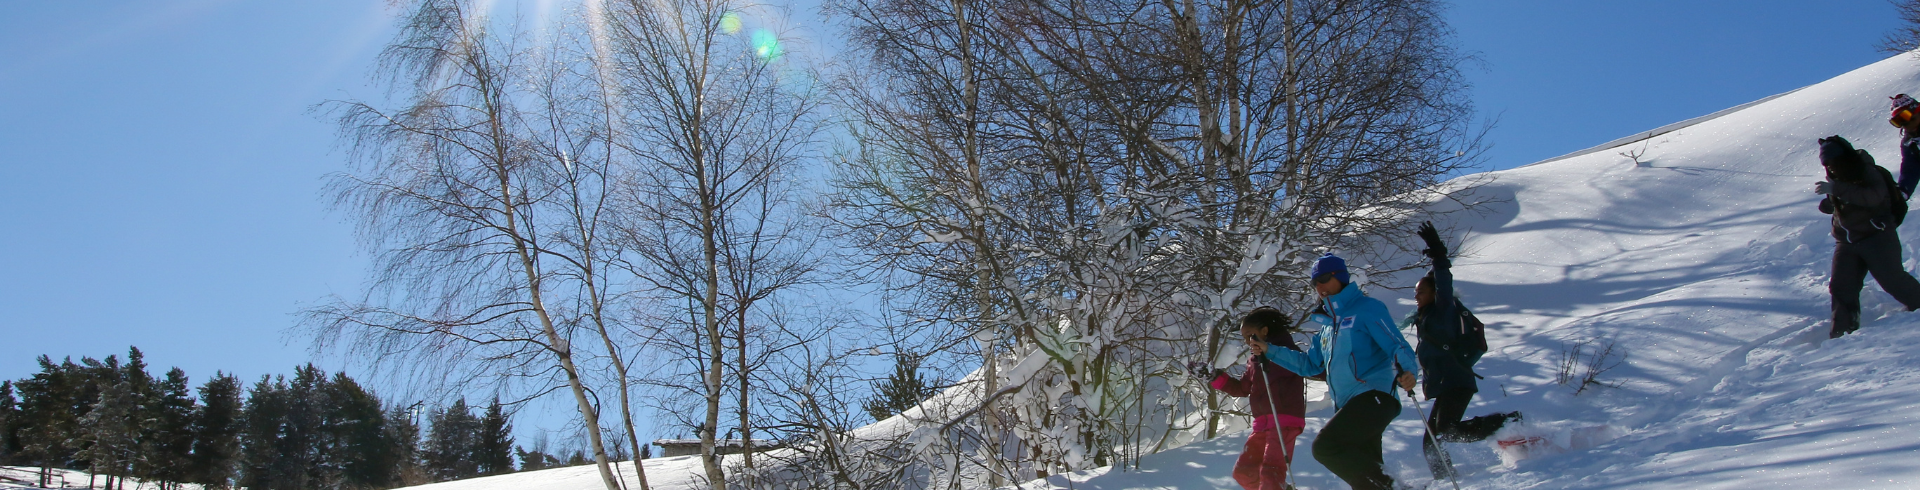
(1472, 342)
(1897, 199)
(1833, 149)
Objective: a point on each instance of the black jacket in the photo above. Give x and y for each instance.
(1438, 326)
(1860, 209)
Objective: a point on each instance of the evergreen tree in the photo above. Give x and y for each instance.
(494, 453)
(108, 432)
(9, 441)
(301, 449)
(902, 390)
(91, 378)
(318, 432)
(273, 442)
(536, 458)
(451, 442)
(216, 433)
(167, 444)
(355, 445)
(48, 415)
(403, 436)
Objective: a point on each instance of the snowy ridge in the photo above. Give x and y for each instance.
(1706, 265)
(1647, 135)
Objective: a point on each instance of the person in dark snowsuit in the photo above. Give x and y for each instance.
(1445, 362)
(1857, 197)
(1906, 116)
(1363, 356)
(1277, 398)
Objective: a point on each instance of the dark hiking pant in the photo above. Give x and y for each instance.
(1878, 255)
(1349, 445)
(1445, 424)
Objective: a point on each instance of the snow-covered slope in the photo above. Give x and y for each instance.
(1706, 265)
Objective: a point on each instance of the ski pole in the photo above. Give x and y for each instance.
(1428, 428)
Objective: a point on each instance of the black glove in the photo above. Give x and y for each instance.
(1436, 249)
(1202, 371)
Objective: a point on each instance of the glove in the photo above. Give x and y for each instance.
(1822, 187)
(1436, 249)
(1201, 371)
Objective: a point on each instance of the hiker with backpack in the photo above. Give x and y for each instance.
(1363, 357)
(1276, 397)
(1868, 206)
(1451, 341)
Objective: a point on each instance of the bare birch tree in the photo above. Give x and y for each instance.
(719, 132)
(485, 198)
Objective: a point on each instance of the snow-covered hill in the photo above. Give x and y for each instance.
(1705, 263)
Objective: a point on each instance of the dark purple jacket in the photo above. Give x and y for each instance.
(1285, 390)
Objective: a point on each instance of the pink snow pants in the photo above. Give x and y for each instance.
(1263, 465)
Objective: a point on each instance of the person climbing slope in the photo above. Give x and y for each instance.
(1275, 396)
(1449, 346)
(1363, 356)
(1906, 116)
(1862, 196)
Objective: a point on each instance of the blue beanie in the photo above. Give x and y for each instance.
(1331, 263)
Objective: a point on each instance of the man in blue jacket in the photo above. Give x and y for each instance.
(1362, 355)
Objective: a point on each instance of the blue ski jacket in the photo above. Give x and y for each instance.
(1359, 350)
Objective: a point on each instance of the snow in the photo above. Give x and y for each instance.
(28, 478)
(1706, 265)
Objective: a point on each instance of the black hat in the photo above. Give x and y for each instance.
(1842, 161)
(1835, 149)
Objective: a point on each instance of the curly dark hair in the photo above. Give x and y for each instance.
(1279, 326)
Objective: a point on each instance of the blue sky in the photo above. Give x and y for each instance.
(160, 174)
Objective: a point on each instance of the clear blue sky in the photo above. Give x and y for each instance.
(160, 175)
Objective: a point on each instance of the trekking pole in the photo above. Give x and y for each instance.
(1428, 428)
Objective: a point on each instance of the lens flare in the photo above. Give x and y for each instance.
(766, 45)
(730, 23)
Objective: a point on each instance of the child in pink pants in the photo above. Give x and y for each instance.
(1277, 398)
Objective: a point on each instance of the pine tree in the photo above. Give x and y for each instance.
(47, 415)
(266, 431)
(451, 442)
(904, 389)
(216, 433)
(108, 431)
(354, 448)
(9, 441)
(403, 435)
(167, 443)
(303, 447)
(494, 453)
(536, 457)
